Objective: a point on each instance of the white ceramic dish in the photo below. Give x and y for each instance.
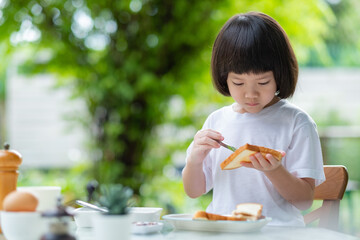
(84, 217)
(146, 227)
(145, 214)
(185, 222)
(22, 225)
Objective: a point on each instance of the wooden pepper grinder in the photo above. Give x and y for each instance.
(10, 161)
(9, 165)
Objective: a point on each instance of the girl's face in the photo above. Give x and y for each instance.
(253, 92)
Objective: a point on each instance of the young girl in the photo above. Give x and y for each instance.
(254, 63)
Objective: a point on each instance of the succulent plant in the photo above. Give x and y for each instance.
(115, 197)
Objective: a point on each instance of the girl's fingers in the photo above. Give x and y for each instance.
(208, 137)
(255, 162)
(271, 159)
(207, 141)
(247, 164)
(264, 163)
(211, 134)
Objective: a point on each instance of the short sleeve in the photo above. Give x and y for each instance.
(304, 156)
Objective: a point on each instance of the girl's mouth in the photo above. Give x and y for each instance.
(252, 104)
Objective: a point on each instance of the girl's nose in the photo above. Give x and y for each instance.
(251, 92)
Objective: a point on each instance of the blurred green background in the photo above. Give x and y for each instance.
(135, 62)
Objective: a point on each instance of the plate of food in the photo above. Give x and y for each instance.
(246, 218)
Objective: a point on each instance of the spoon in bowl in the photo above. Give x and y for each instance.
(91, 206)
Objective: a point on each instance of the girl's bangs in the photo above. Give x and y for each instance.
(248, 50)
(247, 61)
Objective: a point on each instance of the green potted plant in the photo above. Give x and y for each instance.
(116, 222)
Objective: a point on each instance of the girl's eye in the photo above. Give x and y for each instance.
(238, 84)
(264, 83)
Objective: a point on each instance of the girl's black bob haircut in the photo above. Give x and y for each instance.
(254, 43)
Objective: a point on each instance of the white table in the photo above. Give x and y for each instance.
(266, 233)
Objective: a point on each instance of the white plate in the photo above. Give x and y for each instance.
(185, 222)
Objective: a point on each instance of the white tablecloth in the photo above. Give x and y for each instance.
(265, 233)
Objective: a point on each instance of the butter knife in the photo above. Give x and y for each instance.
(231, 148)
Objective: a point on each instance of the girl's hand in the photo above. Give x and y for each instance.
(204, 141)
(258, 162)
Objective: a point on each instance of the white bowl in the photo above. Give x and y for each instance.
(22, 225)
(47, 196)
(84, 217)
(145, 214)
(146, 227)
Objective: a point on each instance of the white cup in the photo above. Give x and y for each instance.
(22, 225)
(47, 196)
(84, 217)
(145, 214)
(112, 227)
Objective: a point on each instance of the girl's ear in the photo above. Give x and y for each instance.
(277, 92)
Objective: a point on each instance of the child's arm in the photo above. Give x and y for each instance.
(193, 175)
(297, 191)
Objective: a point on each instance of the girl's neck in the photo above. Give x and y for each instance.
(237, 108)
(273, 101)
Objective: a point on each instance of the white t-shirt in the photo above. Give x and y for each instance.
(281, 126)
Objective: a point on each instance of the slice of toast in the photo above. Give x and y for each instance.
(243, 153)
(202, 215)
(249, 211)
